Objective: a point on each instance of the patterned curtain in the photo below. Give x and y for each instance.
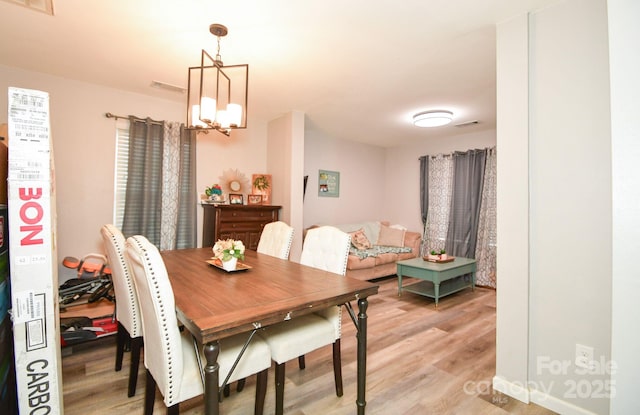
(170, 181)
(160, 201)
(440, 188)
(487, 235)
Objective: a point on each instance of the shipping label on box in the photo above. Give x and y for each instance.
(34, 280)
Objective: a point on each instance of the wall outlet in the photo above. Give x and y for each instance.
(584, 356)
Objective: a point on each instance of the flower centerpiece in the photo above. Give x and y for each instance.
(228, 251)
(214, 193)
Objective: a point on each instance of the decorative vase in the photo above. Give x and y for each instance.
(230, 265)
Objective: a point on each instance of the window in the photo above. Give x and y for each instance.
(121, 171)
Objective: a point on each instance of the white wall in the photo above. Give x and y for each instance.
(512, 299)
(245, 151)
(401, 173)
(570, 160)
(362, 183)
(624, 33)
(569, 182)
(285, 162)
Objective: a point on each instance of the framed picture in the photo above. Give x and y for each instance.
(254, 199)
(261, 185)
(328, 183)
(236, 199)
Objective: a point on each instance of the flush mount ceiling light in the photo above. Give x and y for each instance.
(435, 118)
(217, 94)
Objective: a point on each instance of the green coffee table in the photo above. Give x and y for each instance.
(438, 280)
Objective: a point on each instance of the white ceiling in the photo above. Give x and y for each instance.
(358, 69)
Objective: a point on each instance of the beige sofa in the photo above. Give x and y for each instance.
(389, 243)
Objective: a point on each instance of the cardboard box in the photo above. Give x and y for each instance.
(32, 242)
(4, 162)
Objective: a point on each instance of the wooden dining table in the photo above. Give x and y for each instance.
(214, 304)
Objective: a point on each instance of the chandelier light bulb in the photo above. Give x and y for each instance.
(195, 114)
(234, 114)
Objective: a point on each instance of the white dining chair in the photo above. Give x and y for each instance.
(275, 240)
(127, 307)
(326, 248)
(169, 354)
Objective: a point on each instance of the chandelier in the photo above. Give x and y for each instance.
(217, 94)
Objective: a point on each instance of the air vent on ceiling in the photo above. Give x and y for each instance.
(44, 6)
(168, 87)
(467, 123)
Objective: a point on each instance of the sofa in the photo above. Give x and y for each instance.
(376, 246)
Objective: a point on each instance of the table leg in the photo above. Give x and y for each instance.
(361, 403)
(211, 404)
(399, 284)
(473, 281)
(436, 291)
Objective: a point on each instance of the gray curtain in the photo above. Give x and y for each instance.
(143, 202)
(468, 179)
(424, 188)
(142, 213)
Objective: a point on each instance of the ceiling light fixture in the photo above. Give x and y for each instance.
(435, 118)
(217, 94)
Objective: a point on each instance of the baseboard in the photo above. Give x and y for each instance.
(557, 405)
(544, 400)
(511, 389)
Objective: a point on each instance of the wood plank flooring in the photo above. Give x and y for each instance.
(421, 360)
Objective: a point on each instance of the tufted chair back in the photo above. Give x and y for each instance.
(127, 305)
(127, 309)
(327, 248)
(275, 240)
(163, 350)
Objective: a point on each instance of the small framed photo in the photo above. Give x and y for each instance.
(236, 199)
(254, 199)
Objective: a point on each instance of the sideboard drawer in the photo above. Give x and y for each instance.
(251, 214)
(250, 225)
(237, 222)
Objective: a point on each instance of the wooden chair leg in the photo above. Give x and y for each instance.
(121, 338)
(240, 385)
(337, 367)
(173, 409)
(301, 362)
(149, 394)
(279, 388)
(136, 345)
(261, 391)
(227, 388)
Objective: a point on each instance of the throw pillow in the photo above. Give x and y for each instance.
(359, 239)
(390, 236)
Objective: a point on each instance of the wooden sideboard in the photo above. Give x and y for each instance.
(241, 222)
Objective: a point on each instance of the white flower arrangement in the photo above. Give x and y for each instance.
(224, 250)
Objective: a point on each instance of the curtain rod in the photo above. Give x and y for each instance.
(451, 154)
(434, 156)
(110, 115)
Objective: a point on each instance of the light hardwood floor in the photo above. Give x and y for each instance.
(420, 361)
